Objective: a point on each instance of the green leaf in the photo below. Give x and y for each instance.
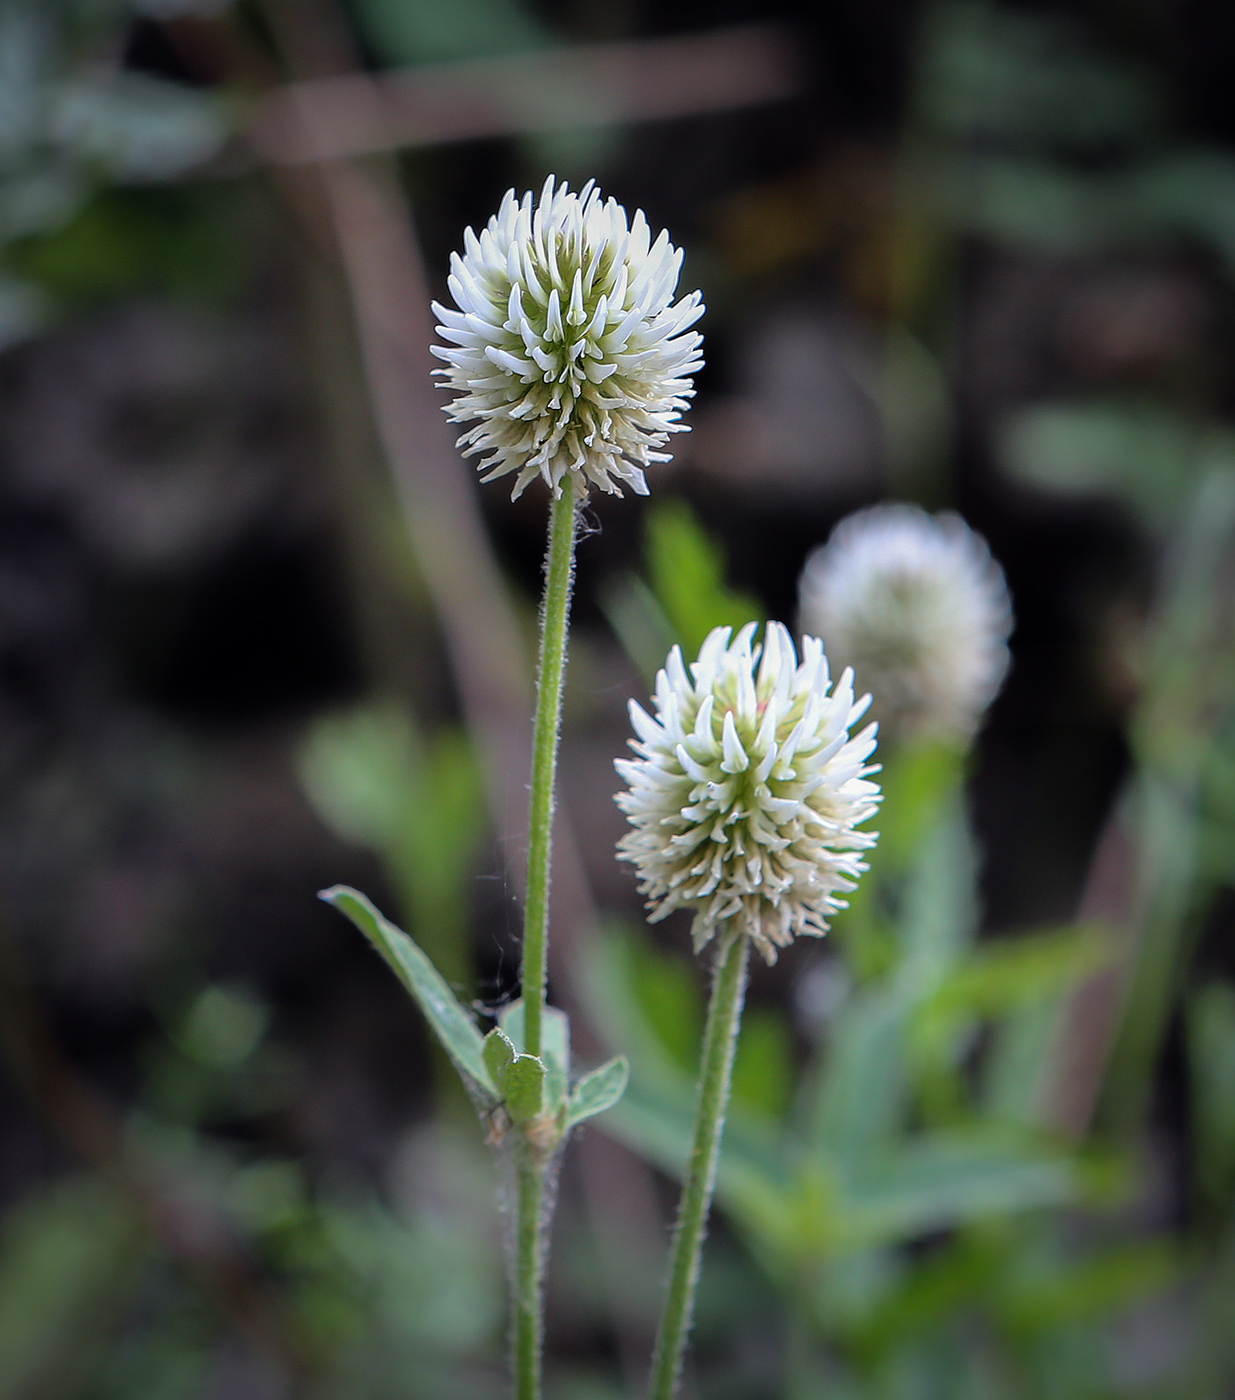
(449, 1020)
(554, 1047)
(862, 1092)
(918, 780)
(1148, 454)
(751, 1182)
(687, 569)
(377, 781)
(945, 1179)
(525, 1088)
(1091, 1288)
(499, 1053)
(597, 1091)
(638, 621)
(1009, 974)
(940, 906)
(670, 995)
(763, 1066)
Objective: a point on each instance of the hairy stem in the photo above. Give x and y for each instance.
(529, 1271)
(555, 615)
(531, 1165)
(720, 1038)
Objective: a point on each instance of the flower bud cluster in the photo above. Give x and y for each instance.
(747, 791)
(920, 610)
(567, 349)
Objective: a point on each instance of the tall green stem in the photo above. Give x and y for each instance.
(529, 1270)
(554, 618)
(720, 1038)
(531, 1161)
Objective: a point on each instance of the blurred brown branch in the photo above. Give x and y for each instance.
(366, 218)
(353, 114)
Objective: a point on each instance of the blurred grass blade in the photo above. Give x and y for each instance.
(687, 570)
(450, 1021)
(943, 1180)
(597, 1091)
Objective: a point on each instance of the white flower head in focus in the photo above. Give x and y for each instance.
(748, 790)
(919, 609)
(567, 350)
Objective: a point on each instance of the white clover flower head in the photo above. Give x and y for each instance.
(919, 609)
(567, 349)
(748, 791)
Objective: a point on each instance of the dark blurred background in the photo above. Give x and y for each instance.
(976, 255)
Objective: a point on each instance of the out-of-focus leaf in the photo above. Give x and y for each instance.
(1193, 192)
(1029, 78)
(917, 780)
(357, 768)
(598, 1090)
(1017, 1063)
(751, 1184)
(425, 31)
(606, 974)
(940, 1180)
(223, 1026)
(763, 1065)
(376, 782)
(863, 1088)
(181, 242)
(136, 126)
(939, 911)
(670, 992)
(1211, 1053)
(1186, 708)
(1147, 454)
(687, 572)
(1081, 1292)
(429, 1272)
(638, 622)
(999, 976)
(450, 1022)
(65, 1254)
(40, 198)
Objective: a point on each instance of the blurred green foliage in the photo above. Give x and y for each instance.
(422, 31)
(71, 124)
(377, 782)
(685, 594)
(904, 1187)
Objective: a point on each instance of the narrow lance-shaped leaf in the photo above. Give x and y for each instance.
(446, 1015)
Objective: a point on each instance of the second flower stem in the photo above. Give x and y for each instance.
(554, 619)
(720, 1037)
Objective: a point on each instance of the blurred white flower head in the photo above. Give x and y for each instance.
(748, 790)
(567, 349)
(920, 610)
